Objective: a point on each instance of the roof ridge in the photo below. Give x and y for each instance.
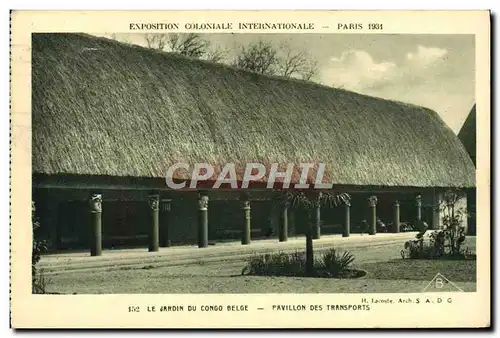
(242, 70)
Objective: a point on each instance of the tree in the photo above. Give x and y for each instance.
(296, 63)
(262, 57)
(216, 55)
(121, 37)
(156, 41)
(453, 218)
(310, 201)
(190, 45)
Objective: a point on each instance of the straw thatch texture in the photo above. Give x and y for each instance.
(101, 107)
(467, 134)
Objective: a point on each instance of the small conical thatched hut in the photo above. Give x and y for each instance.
(467, 135)
(110, 118)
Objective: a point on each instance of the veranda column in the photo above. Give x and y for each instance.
(418, 203)
(95, 202)
(372, 202)
(346, 230)
(246, 233)
(317, 222)
(309, 252)
(291, 222)
(283, 226)
(164, 223)
(154, 230)
(435, 210)
(397, 223)
(49, 207)
(316, 234)
(202, 220)
(471, 211)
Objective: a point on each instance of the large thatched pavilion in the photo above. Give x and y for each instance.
(109, 119)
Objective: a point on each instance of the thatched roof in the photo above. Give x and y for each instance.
(101, 107)
(467, 134)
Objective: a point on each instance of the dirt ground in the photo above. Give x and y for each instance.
(386, 272)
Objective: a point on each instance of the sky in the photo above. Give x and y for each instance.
(434, 71)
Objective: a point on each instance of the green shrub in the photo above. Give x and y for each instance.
(334, 262)
(446, 243)
(37, 279)
(39, 283)
(281, 264)
(417, 249)
(407, 227)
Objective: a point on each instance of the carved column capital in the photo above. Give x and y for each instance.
(154, 202)
(203, 202)
(372, 201)
(246, 205)
(95, 202)
(244, 196)
(166, 204)
(347, 204)
(286, 204)
(246, 209)
(396, 203)
(418, 200)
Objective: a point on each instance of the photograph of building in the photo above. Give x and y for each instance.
(110, 117)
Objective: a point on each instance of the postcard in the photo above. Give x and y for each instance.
(250, 169)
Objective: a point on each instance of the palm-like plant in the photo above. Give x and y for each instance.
(310, 200)
(453, 216)
(336, 262)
